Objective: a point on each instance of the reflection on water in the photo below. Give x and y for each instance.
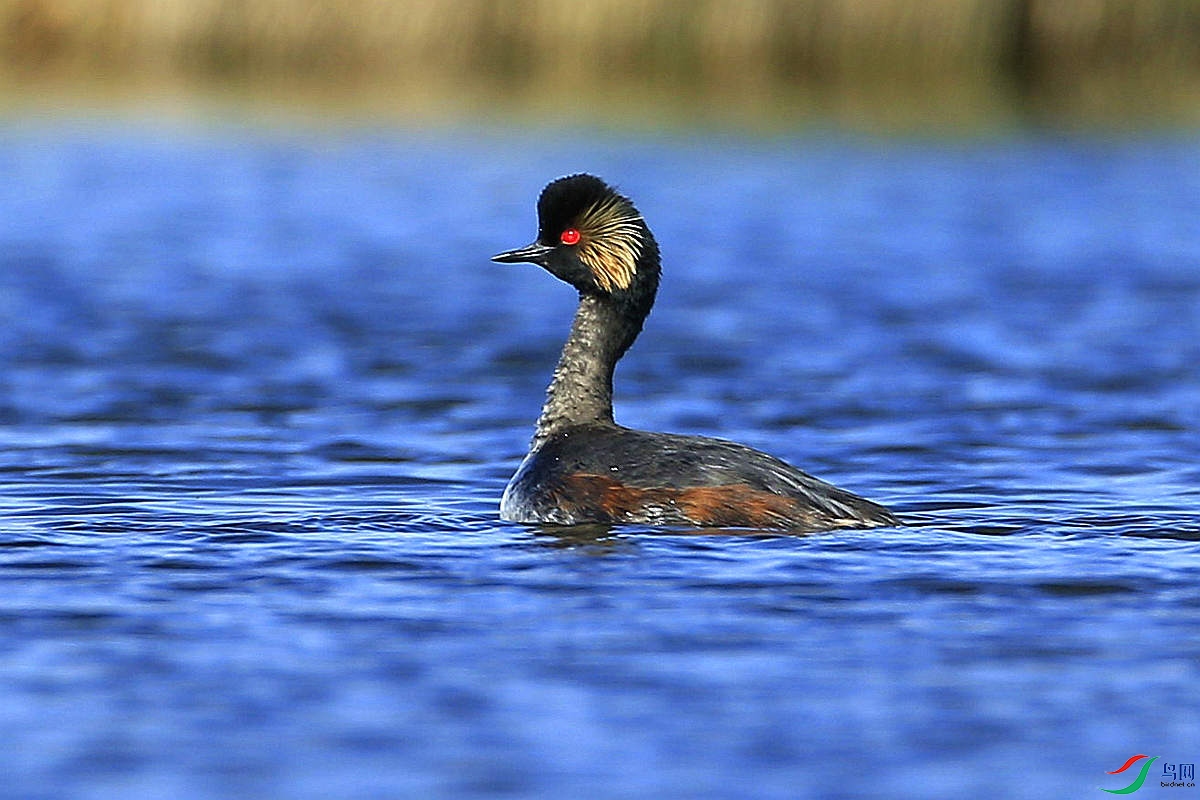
(260, 395)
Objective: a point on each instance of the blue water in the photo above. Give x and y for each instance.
(260, 392)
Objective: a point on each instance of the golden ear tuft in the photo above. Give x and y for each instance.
(611, 242)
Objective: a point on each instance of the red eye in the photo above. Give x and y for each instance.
(569, 236)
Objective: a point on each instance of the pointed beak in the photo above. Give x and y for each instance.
(533, 253)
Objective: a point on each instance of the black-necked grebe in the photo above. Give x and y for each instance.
(584, 468)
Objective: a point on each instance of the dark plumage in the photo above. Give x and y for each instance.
(584, 468)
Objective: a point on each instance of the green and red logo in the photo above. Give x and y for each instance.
(1139, 780)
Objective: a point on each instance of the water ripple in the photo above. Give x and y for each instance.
(253, 436)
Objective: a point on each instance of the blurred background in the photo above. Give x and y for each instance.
(939, 64)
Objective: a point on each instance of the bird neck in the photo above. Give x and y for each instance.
(581, 390)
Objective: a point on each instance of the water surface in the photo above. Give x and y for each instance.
(260, 393)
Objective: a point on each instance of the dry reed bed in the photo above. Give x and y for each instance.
(1091, 52)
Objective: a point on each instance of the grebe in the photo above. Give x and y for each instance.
(584, 468)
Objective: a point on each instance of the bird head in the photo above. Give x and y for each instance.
(593, 238)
